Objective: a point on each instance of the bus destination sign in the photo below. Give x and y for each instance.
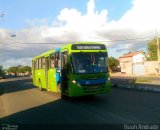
(88, 47)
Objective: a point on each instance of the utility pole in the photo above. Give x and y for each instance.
(158, 51)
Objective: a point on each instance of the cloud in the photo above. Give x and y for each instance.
(141, 20)
(36, 22)
(22, 61)
(71, 25)
(143, 16)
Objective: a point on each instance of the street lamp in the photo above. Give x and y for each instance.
(13, 35)
(2, 15)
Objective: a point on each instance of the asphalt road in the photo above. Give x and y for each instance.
(22, 103)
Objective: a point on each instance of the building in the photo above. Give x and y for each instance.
(132, 63)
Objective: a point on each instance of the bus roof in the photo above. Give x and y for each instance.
(43, 54)
(47, 53)
(71, 47)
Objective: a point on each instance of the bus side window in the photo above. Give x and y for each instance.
(52, 61)
(40, 63)
(43, 63)
(33, 65)
(57, 59)
(36, 63)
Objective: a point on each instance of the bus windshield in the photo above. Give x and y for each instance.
(89, 62)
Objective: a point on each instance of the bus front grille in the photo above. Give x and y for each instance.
(94, 88)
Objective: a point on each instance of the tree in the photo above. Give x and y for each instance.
(113, 63)
(1, 70)
(152, 50)
(13, 69)
(27, 68)
(19, 69)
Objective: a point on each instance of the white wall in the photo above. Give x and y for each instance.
(138, 58)
(151, 68)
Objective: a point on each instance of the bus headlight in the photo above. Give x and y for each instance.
(74, 81)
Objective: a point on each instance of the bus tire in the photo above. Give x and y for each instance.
(40, 85)
(59, 88)
(64, 96)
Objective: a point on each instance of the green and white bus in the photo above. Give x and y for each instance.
(79, 69)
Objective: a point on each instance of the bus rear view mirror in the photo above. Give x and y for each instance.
(58, 70)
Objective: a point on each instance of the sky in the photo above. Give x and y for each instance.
(38, 26)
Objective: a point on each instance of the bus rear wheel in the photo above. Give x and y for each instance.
(64, 96)
(40, 85)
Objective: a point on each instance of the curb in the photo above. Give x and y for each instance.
(137, 87)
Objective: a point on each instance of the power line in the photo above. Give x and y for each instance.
(125, 39)
(43, 43)
(56, 43)
(96, 41)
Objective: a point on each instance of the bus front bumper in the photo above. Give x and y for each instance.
(76, 90)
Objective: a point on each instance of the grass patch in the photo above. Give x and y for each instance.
(132, 81)
(142, 80)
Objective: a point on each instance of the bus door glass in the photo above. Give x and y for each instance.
(57, 66)
(64, 69)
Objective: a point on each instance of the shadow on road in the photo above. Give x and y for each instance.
(117, 108)
(121, 106)
(16, 85)
(63, 111)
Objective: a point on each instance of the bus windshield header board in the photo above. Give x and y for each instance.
(88, 47)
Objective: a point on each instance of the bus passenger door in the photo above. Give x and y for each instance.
(64, 71)
(57, 66)
(46, 71)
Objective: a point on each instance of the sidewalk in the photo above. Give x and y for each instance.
(139, 78)
(125, 75)
(146, 83)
